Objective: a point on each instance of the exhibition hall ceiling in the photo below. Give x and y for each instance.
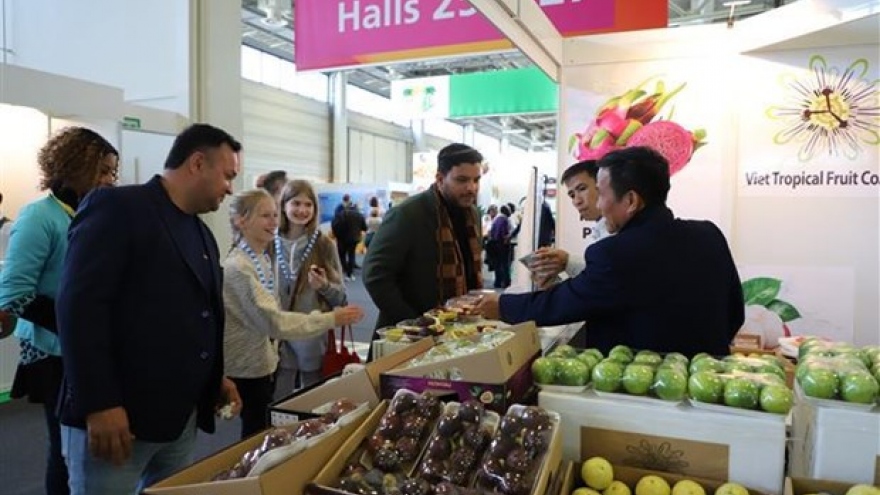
(267, 25)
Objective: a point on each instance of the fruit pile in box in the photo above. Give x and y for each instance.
(755, 382)
(456, 449)
(838, 371)
(600, 477)
(442, 323)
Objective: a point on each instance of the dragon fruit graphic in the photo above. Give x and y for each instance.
(629, 120)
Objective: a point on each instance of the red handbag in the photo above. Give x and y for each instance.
(337, 356)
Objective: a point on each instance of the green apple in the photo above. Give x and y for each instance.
(648, 357)
(742, 393)
(565, 351)
(702, 355)
(675, 366)
(607, 376)
(595, 352)
(589, 359)
(731, 489)
(677, 357)
(820, 383)
(572, 372)
(706, 386)
(637, 378)
(707, 364)
(670, 384)
(620, 356)
(622, 348)
(771, 369)
(544, 370)
(859, 387)
(776, 399)
(688, 487)
(737, 366)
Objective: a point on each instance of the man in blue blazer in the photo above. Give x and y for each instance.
(661, 283)
(140, 317)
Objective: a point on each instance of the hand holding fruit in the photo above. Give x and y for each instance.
(347, 315)
(488, 307)
(317, 278)
(548, 262)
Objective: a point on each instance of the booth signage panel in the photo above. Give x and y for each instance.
(343, 33)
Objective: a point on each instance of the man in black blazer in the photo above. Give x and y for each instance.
(140, 317)
(661, 283)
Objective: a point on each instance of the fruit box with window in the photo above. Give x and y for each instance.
(361, 386)
(498, 377)
(804, 486)
(572, 480)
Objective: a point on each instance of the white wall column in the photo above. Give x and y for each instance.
(468, 131)
(339, 127)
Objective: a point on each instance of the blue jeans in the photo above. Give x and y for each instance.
(149, 463)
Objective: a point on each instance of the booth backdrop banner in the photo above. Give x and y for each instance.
(344, 33)
(810, 124)
(658, 104)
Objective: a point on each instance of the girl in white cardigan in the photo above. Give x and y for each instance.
(254, 318)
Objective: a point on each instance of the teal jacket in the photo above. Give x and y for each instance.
(37, 246)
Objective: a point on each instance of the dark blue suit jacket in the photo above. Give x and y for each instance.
(661, 284)
(140, 326)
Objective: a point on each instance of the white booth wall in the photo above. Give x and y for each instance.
(820, 241)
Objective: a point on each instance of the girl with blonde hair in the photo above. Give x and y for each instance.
(252, 278)
(313, 281)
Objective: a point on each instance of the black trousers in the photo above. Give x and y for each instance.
(256, 395)
(346, 256)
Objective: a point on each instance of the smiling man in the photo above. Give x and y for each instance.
(428, 248)
(660, 283)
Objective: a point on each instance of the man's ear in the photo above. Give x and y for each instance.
(635, 203)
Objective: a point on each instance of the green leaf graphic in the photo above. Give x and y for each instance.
(785, 310)
(760, 291)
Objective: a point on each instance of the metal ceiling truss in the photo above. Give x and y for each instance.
(267, 25)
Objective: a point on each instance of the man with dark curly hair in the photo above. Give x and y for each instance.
(72, 163)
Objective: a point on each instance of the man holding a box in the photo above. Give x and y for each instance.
(661, 283)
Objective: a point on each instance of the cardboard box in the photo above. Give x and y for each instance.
(498, 377)
(329, 475)
(360, 386)
(804, 486)
(749, 450)
(289, 477)
(835, 443)
(631, 476)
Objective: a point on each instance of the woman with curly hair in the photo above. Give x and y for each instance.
(72, 163)
(311, 280)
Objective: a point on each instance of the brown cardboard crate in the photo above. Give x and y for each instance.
(805, 486)
(289, 477)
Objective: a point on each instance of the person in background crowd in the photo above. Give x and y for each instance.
(348, 226)
(140, 316)
(374, 220)
(499, 246)
(273, 182)
(346, 203)
(660, 283)
(548, 262)
(72, 163)
(429, 247)
(488, 247)
(310, 279)
(253, 270)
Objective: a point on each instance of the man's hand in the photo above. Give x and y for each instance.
(548, 262)
(488, 306)
(229, 397)
(109, 436)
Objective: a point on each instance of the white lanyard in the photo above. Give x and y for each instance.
(267, 282)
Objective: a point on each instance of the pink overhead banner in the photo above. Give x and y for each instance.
(342, 33)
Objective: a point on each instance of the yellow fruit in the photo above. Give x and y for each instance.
(597, 473)
(652, 485)
(863, 490)
(585, 491)
(617, 488)
(688, 487)
(731, 489)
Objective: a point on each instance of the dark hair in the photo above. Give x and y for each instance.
(274, 181)
(346, 198)
(639, 169)
(455, 154)
(198, 137)
(374, 202)
(511, 207)
(505, 210)
(72, 158)
(588, 167)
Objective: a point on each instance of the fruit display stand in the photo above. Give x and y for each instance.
(839, 442)
(743, 448)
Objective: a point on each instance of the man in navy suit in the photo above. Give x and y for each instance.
(140, 317)
(661, 283)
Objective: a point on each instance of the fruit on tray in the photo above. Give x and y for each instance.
(597, 473)
(599, 477)
(839, 371)
(459, 441)
(746, 382)
(645, 373)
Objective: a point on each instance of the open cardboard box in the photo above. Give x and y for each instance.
(287, 478)
(804, 486)
(328, 477)
(497, 377)
(630, 476)
(360, 386)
